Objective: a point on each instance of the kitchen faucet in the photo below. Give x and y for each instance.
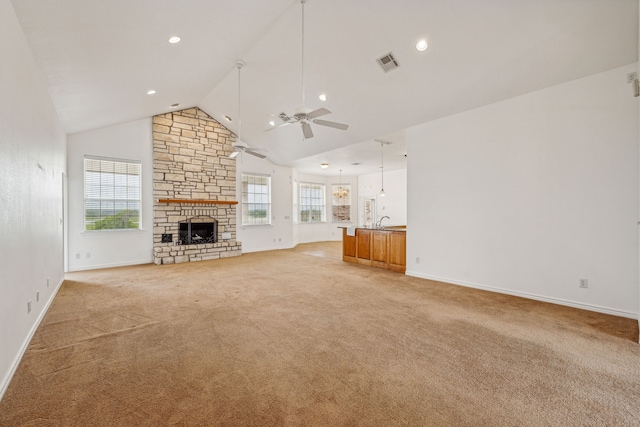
(380, 221)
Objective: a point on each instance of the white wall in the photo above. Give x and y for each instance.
(110, 248)
(278, 235)
(284, 232)
(32, 163)
(328, 230)
(394, 203)
(529, 195)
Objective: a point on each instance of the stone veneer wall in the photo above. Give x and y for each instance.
(190, 162)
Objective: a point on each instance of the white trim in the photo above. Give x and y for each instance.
(117, 264)
(559, 301)
(244, 205)
(112, 159)
(16, 361)
(266, 249)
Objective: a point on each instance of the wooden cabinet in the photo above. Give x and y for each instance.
(380, 249)
(363, 238)
(398, 251)
(377, 248)
(349, 247)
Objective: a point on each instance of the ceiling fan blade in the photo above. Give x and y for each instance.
(335, 125)
(276, 127)
(317, 113)
(306, 130)
(254, 153)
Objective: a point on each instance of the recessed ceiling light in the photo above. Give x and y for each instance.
(151, 92)
(272, 123)
(174, 39)
(176, 105)
(227, 118)
(323, 97)
(422, 45)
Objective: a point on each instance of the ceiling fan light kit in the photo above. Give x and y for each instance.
(238, 145)
(303, 115)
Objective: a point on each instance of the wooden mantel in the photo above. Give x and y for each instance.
(199, 201)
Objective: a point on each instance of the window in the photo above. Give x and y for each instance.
(294, 208)
(256, 199)
(311, 202)
(111, 194)
(341, 202)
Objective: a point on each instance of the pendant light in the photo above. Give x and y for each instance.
(381, 169)
(341, 192)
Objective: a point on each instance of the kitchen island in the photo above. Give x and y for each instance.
(376, 247)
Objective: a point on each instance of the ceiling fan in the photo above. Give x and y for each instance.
(239, 146)
(303, 115)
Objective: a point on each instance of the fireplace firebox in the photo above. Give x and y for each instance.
(198, 230)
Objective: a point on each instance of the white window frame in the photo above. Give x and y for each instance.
(309, 203)
(112, 186)
(251, 198)
(296, 199)
(339, 203)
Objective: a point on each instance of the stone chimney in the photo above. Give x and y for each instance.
(192, 177)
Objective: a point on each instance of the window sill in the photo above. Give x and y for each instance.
(123, 230)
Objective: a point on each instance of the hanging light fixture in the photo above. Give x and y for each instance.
(381, 169)
(239, 66)
(341, 192)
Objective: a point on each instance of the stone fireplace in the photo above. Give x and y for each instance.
(198, 230)
(194, 186)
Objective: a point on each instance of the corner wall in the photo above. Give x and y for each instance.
(328, 230)
(278, 235)
(530, 195)
(32, 165)
(110, 248)
(394, 202)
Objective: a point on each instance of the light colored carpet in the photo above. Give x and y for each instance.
(298, 337)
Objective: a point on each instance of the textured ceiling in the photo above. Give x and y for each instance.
(99, 58)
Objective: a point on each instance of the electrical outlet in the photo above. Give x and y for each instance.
(417, 260)
(37, 296)
(47, 282)
(584, 283)
(631, 77)
(29, 306)
(88, 255)
(78, 255)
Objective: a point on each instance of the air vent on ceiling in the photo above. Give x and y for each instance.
(388, 62)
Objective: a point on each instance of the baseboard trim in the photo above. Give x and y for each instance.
(559, 301)
(117, 264)
(279, 248)
(16, 361)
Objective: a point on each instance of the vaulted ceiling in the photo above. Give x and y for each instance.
(99, 59)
